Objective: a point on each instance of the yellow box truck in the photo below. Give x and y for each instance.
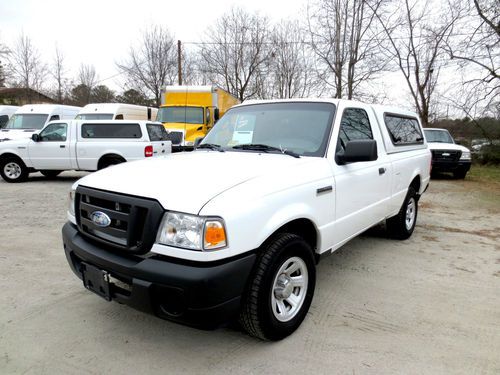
(191, 111)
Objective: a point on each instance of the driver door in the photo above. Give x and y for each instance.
(52, 150)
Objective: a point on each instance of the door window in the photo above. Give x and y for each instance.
(54, 133)
(354, 125)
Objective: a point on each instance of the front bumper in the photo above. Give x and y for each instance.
(193, 293)
(451, 166)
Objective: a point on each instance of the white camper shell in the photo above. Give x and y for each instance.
(32, 117)
(6, 111)
(116, 111)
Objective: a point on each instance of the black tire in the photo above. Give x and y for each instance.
(107, 162)
(50, 173)
(257, 316)
(13, 169)
(459, 174)
(398, 226)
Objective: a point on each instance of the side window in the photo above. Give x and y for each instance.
(54, 118)
(354, 126)
(119, 117)
(111, 131)
(54, 133)
(3, 120)
(403, 130)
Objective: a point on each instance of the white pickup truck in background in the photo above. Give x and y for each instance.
(278, 185)
(81, 145)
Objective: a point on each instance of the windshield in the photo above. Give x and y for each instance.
(301, 128)
(94, 116)
(187, 115)
(27, 121)
(440, 136)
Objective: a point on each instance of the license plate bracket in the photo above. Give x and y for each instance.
(96, 280)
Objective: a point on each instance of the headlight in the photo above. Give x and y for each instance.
(465, 155)
(191, 232)
(71, 202)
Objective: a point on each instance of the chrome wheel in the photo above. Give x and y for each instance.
(12, 170)
(289, 289)
(411, 213)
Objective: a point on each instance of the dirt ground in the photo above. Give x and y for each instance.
(428, 305)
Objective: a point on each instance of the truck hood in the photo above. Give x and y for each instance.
(187, 181)
(446, 146)
(16, 133)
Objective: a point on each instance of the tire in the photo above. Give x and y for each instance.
(50, 173)
(109, 162)
(402, 225)
(459, 174)
(266, 309)
(13, 169)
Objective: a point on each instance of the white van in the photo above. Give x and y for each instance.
(32, 117)
(6, 111)
(116, 111)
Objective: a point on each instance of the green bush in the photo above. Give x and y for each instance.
(489, 155)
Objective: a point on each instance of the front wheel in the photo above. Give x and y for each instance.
(281, 289)
(402, 225)
(459, 174)
(13, 170)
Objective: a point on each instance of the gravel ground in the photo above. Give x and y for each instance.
(430, 304)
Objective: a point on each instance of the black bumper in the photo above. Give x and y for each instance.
(193, 293)
(450, 166)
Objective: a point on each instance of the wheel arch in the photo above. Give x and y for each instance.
(109, 156)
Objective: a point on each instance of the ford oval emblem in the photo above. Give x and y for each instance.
(100, 219)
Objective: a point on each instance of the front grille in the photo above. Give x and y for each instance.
(446, 155)
(133, 222)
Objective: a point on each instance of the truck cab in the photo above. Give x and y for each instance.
(193, 110)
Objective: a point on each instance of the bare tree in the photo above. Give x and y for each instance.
(235, 52)
(153, 65)
(417, 34)
(477, 51)
(346, 39)
(26, 68)
(291, 66)
(87, 80)
(3, 54)
(58, 72)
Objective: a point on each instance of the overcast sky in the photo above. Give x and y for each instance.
(100, 32)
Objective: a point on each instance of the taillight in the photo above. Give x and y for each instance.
(148, 151)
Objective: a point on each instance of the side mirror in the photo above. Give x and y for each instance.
(207, 116)
(35, 137)
(356, 151)
(216, 114)
(197, 142)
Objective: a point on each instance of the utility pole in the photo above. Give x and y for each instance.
(179, 62)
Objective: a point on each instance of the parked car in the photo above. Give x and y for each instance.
(81, 145)
(447, 156)
(32, 117)
(240, 237)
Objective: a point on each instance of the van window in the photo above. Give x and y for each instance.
(54, 118)
(354, 125)
(94, 116)
(27, 121)
(157, 132)
(403, 130)
(119, 117)
(54, 133)
(111, 131)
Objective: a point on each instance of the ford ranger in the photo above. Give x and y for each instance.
(278, 185)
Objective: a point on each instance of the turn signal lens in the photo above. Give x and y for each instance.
(215, 235)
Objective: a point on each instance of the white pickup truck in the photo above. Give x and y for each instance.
(81, 145)
(278, 185)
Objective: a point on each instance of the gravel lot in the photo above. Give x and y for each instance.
(430, 304)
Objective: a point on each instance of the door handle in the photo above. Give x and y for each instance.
(381, 171)
(62, 146)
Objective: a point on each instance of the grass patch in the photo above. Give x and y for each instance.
(486, 184)
(484, 173)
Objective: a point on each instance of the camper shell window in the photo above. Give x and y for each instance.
(403, 130)
(111, 131)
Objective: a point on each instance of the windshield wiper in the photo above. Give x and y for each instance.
(265, 148)
(211, 146)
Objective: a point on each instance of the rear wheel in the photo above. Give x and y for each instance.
(402, 225)
(281, 289)
(13, 170)
(109, 161)
(50, 173)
